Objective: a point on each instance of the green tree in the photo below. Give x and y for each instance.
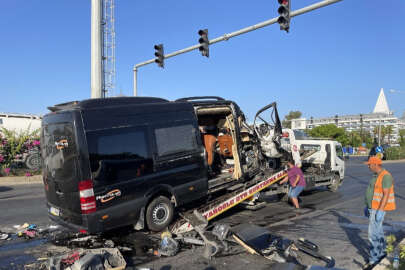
(377, 133)
(368, 139)
(330, 131)
(402, 137)
(355, 138)
(286, 123)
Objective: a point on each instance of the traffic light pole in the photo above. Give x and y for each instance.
(234, 34)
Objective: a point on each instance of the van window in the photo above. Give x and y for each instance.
(58, 150)
(172, 140)
(339, 151)
(119, 154)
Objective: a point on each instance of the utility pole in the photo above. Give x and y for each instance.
(379, 130)
(226, 37)
(96, 49)
(102, 48)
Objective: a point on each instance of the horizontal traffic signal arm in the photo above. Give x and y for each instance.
(243, 31)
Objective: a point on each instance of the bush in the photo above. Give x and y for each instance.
(391, 242)
(14, 147)
(393, 153)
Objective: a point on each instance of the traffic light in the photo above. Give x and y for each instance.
(284, 18)
(160, 56)
(204, 41)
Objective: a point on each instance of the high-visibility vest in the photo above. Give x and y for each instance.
(378, 194)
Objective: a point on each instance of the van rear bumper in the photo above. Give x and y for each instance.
(74, 222)
(94, 223)
(71, 226)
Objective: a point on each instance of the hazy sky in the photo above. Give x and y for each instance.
(333, 61)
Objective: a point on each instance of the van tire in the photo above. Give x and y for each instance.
(335, 183)
(159, 214)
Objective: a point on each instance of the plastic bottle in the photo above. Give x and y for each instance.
(395, 260)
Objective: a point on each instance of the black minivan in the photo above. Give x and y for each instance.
(118, 161)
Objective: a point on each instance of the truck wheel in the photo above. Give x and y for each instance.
(335, 183)
(33, 161)
(159, 213)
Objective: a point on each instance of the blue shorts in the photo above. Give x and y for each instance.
(295, 191)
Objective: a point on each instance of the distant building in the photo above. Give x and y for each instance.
(20, 122)
(381, 115)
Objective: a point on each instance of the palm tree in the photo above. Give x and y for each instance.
(377, 133)
(389, 130)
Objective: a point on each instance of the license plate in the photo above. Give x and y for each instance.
(54, 211)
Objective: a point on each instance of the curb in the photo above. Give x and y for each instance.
(20, 180)
(386, 263)
(393, 161)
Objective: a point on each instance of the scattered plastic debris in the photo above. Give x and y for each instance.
(258, 240)
(94, 259)
(168, 246)
(4, 236)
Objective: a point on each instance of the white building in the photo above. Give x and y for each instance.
(20, 122)
(381, 115)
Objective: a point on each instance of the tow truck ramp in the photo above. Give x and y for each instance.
(226, 202)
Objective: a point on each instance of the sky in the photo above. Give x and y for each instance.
(333, 61)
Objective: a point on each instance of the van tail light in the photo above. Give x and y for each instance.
(87, 198)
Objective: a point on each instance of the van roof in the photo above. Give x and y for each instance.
(104, 102)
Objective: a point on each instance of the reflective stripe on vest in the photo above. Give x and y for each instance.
(378, 194)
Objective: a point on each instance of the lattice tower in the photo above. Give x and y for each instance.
(108, 52)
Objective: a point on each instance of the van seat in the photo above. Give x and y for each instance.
(209, 141)
(225, 145)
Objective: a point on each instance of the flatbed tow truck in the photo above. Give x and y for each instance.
(321, 161)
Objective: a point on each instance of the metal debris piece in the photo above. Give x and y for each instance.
(191, 240)
(221, 231)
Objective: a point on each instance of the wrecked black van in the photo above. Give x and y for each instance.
(134, 160)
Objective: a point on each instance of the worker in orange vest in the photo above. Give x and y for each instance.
(379, 199)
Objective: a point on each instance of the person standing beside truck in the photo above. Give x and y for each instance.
(379, 198)
(295, 176)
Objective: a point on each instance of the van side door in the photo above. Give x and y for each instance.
(179, 159)
(121, 167)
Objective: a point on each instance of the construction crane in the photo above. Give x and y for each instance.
(102, 48)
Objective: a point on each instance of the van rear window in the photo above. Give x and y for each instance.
(119, 154)
(58, 150)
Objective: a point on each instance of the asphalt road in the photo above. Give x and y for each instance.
(334, 221)
(20, 204)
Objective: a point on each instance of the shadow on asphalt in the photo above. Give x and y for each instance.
(4, 189)
(353, 234)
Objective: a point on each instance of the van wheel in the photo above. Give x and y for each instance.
(335, 183)
(159, 213)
